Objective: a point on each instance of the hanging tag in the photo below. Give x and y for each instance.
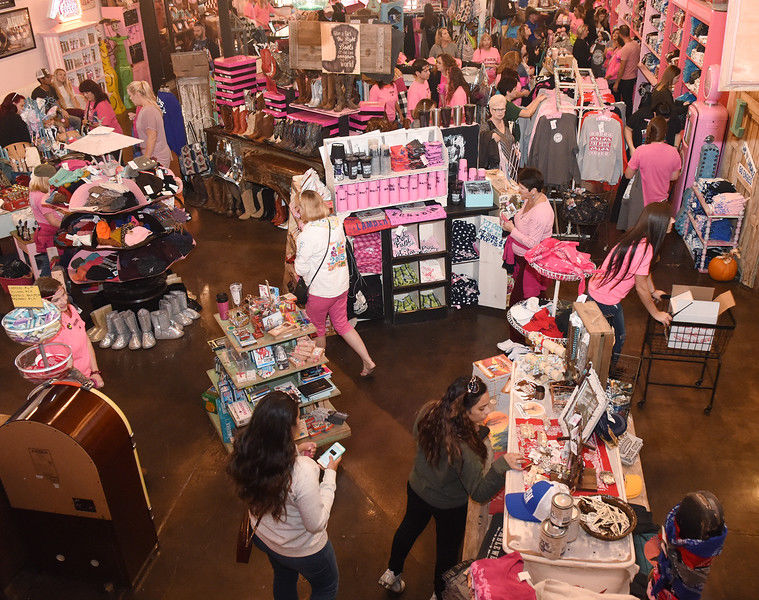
(553, 124)
(600, 126)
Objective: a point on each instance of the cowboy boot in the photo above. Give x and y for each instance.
(148, 339)
(177, 320)
(328, 96)
(256, 125)
(249, 121)
(266, 129)
(277, 133)
(349, 83)
(306, 91)
(300, 84)
(288, 139)
(258, 204)
(316, 93)
(281, 213)
(340, 92)
(227, 117)
(243, 120)
(260, 101)
(134, 329)
(313, 139)
(266, 195)
(100, 329)
(162, 326)
(247, 202)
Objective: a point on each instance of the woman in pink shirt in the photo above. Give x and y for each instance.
(261, 12)
(99, 110)
(488, 56)
(456, 86)
(420, 88)
(658, 163)
(48, 219)
(72, 332)
(532, 224)
(628, 264)
(387, 95)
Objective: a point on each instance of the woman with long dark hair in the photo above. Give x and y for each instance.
(288, 507)
(455, 85)
(447, 471)
(12, 127)
(429, 25)
(628, 264)
(99, 110)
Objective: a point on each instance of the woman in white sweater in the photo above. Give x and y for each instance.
(322, 261)
(289, 508)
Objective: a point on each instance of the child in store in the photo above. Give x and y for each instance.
(48, 219)
(420, 88)
(487, 55)
(73, 332)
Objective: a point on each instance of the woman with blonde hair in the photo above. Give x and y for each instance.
(443, 44)
(487, 55)
(69, 99)
(321, 259)
(148, 123)
(48, 219)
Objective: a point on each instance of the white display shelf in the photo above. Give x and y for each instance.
(390, 175)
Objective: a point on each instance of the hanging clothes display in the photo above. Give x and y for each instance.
(601, 148)
(554, 149)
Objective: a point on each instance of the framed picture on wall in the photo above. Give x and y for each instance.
(16, 33)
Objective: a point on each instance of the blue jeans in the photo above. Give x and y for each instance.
(320, 570)
(616, 317)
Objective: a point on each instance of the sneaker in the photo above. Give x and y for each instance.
(392, 582)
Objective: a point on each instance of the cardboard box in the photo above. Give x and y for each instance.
(190, 64)
(495, 373)
(600, 341)
(695, 304)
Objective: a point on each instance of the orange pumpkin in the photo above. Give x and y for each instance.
(723, 268)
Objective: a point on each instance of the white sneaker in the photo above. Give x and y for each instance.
(392, 582)
(505, 346)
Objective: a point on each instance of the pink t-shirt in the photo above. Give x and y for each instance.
(104, 114)
(612, 66)
(491, 58)
(249, 10)
(613, 291)
(532, 227)
(39, 210)
(416, 92)
(387, 95)
(74, 335)
(458, 98)
(631, 53)
(261, 14)
(656, 162)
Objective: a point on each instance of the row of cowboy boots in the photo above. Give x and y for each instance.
(337, 92)
(263, 203)
(298, 136)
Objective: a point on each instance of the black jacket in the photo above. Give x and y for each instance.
(13, 129)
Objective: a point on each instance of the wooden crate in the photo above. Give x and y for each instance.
(601, 337)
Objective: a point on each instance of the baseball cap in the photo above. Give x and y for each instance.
(42, 73)
(534, 504)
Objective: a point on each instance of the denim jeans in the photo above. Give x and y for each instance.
(616, 317)
(320, 570)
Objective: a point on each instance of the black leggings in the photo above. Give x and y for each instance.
(450, 524)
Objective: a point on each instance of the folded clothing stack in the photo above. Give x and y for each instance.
(416, 155)
(434, 153)
(399, 158)
(403, 242)
(107, 200)
(728, 203)
(464, 291)
(463, 240)
(544, 323)
(710, 187)
(157, 183)
(367, 249)
(305, 352)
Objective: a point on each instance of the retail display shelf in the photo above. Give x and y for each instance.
(328, 113)
(267, 340)
(692, 88)
(88, 46)
(397, 260)
(459, 211)
(465, 262)
(439, 199)
(652, 51)
(391, 175)
(419, 286)
(699, 64)
(647, 74)
(695, 39)
(412, 315)
(707, 210)
(214, 418)
(709, 243)
(250, 378)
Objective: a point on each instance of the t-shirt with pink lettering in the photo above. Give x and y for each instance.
(614, 290)
(656, 162)
(630, 53)
(419, 90)
(387, 95)
(491, 58)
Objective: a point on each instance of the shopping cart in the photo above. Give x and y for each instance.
(682, 342)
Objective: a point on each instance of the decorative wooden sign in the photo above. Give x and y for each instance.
(341, 45)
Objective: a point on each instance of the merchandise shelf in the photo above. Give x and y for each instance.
(420, 286)
(398, 260)
(251, 378)
(390, 175)
(267, 340)
(647, 74)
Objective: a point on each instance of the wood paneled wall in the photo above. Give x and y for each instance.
(749, 241)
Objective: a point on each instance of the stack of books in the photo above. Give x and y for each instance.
(316, 383)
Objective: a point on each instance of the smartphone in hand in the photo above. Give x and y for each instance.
(334, 452)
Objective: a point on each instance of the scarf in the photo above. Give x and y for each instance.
(683, 565)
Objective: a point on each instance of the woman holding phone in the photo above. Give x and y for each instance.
(289, 508)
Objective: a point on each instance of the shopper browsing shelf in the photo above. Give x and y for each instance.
(12, 127)
(628, 264)
(288, 506)
(509, 87)
(148, 123)
(72, 332)
(624, 86)
(447, 471)
(662, 92)
(532, 224)
(321, 260)
(420, 88)
(99, 110)
(581, 48)
(496, 139)
(429, 25)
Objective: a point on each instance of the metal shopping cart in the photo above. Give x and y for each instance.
(683, 342)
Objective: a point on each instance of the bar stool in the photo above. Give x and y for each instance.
(27, 251)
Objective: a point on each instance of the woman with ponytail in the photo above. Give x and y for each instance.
(288, 507)
(447, 471)
(148, 123)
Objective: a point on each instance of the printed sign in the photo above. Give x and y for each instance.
(340, 48)
(749, 159)
(25, 296)
(748, 178)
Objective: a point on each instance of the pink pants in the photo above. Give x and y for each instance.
(317, 309)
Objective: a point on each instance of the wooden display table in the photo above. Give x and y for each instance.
(613, 572)
(266, 164)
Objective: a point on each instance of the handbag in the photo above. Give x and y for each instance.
(193, 158)
(245, 538)
(301, 289)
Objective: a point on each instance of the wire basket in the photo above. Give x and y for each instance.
(522, 331)
(693, 340)
(620, 386)
(44, 362)
(31, 326)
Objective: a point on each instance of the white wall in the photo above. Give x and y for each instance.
(18, 70)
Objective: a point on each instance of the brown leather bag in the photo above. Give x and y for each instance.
(245, 538)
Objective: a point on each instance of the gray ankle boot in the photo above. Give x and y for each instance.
(148, 340)
(134, 329)
(162, 326)
(112, 332)
(165, 306)
(186, 310)
(122, 339)
(177, 313)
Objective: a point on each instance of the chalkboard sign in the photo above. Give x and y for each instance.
(341, 45)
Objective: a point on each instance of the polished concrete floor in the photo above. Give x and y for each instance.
(197, 513)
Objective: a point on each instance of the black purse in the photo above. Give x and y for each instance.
(301, 289)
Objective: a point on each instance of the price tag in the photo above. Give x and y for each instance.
(25, 296)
